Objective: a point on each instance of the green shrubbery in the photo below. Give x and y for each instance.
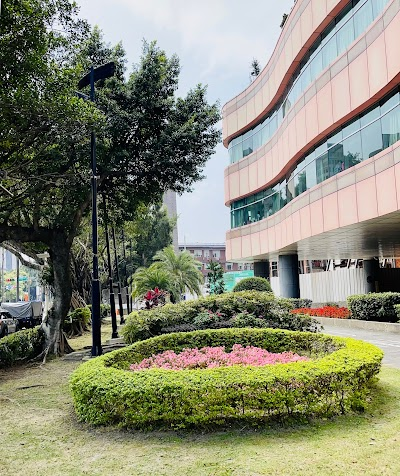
(336, 380)
(374, 306)
(253, 284)
(22, 345)
(77, 321)
(216, 311)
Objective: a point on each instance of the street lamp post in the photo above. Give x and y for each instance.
(95, 74)
(120, 305)
(110, 275)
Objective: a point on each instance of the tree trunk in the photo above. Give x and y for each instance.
(56, 342)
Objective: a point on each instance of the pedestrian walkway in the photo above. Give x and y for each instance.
(388, 342)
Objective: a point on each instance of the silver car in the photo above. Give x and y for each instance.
(7, 324)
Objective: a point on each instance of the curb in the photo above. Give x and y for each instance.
(391, 328)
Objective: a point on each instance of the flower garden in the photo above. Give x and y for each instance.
(218, 376)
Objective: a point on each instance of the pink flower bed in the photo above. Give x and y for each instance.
(211, 357)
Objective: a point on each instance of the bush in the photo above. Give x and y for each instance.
(20, 346)
(215, 311)
(252, 284)
(77, 321)
(326, 311)
(297, 303)
(374, 306)
(105, 392)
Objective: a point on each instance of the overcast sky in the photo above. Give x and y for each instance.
(216, 41)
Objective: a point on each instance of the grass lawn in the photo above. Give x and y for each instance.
(40, 436)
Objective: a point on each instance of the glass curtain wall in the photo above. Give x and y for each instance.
(337, 37)
(362, 138)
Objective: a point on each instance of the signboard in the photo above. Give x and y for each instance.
(233, 277)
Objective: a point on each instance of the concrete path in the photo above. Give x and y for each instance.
(388, 342)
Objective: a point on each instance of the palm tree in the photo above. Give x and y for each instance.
(145, 279)
(182, 269)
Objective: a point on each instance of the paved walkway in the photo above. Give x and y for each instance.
(388, 342)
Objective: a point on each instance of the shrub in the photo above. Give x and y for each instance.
(297, 303)
(326, 311)
(222, 308)
(397, 309)
(20, 346)
(77, 321)
(252, 284)
(336, 380)
(374, 306)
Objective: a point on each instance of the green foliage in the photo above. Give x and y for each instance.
(145, 279)
(335, 381)
(215, 277)
(78, 321)
(256, 284)
(21, 346)
(374, 306)
(182, 271)
(182, 316)
(297, 303)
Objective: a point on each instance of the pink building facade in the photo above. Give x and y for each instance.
(314, 145)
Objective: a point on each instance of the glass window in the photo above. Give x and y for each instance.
(391, 127)
(369, 116)
(290, 188)
(371, 138)
(335, 138)
(362, 19)
(309, 158)
(316, 65)
(282, 193)
(336, 162)
(311, 175)
(306, 78)
(389, 103)
(350, 128)
(345, 36)
(247, 144)
(320, 149)
(352, 150)
(329, 52)
(322, 167)
(378, 6)
(300, 182)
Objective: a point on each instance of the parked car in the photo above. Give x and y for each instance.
(7, 323)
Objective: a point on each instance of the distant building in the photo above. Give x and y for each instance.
(169, 201)
(205, 252)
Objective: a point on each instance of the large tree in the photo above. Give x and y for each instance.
(149, 141)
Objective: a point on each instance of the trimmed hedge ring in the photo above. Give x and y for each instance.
(336, 380)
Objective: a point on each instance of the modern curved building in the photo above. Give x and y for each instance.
(314, 149)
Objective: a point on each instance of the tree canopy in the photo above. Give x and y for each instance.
(148, 140)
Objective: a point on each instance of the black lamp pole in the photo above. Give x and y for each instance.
(128, 310)
(102, 72)
(121, 308)
(110, 275)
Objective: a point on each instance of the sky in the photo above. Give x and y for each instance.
(216, 40)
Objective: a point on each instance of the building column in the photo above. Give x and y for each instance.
(371, 270)
(288, 272)
(261, 269)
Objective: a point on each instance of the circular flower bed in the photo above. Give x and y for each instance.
(335, 379)
(212, 357)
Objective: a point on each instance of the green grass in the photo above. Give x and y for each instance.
(40, 436)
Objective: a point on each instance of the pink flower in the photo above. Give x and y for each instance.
(211, 357)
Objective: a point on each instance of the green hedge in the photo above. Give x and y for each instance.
(374, 306)
(190, 315)
(252, 284)
(336, 380)
(20, 346)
